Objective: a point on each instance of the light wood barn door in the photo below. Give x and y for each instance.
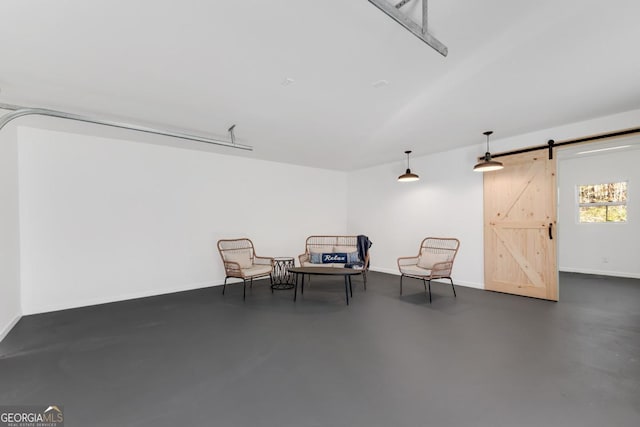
(520, 226)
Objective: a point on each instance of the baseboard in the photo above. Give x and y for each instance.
(456, 282)
(125, 297)
(7, 329)
(385, 270)
(601, 272)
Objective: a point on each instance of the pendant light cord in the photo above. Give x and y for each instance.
(487, 155)
(407, 152)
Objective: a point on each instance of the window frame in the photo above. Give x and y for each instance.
(598, 204)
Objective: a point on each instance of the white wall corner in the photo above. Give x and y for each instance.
(5, 331)
(10, 291)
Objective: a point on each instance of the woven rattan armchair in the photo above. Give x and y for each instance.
(434, 261)
(241, 262)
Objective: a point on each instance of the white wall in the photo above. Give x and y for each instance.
(106, 219)
(447, 201)
(583, 248)
(10, 309)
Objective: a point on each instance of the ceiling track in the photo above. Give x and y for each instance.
(420, 32)
(19, 111)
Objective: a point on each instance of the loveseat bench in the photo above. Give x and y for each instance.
(336, 251)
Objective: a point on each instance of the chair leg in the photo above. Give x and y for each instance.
(401, 276)
(429, 291)
(225, 284)
(346, 288)
(251, 283)
(244, 288)
(453, 287)
(364, 277)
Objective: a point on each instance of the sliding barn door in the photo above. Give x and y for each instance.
(520, 226)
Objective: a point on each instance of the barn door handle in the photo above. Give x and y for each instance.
(550, 231)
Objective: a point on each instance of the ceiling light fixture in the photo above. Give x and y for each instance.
(487, 164)
(408, 176)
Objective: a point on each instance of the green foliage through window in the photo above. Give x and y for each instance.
(603, 202)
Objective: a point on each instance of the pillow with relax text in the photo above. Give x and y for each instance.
(334, 258)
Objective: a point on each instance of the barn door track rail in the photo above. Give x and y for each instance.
(551, 144)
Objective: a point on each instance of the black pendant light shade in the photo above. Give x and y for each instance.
(487, 164)
(408, 176)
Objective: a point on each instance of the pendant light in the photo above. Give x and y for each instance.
(408, 176)
(487, 164)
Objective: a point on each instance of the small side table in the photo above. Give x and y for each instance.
(281, 278)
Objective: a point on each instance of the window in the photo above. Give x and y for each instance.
(603, 202)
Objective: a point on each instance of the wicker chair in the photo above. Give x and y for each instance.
(434, 261)
(241, 262)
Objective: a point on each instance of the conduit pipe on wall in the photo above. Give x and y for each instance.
(19, 111)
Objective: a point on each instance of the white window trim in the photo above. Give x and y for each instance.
(596, 204)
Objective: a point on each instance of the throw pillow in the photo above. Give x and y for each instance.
(428, 259)
(334, 258)
(352, 257)
(242, 257)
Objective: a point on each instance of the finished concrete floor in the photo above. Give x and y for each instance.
(202, 359)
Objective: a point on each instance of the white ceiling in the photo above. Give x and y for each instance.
(514, 66)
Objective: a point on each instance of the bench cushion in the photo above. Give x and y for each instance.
(414, 270)
(311, 264)
(257, 270)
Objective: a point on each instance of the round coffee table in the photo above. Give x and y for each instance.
(281, 278)
(326, 271)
